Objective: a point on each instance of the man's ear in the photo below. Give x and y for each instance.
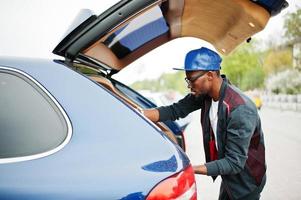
(210, 75)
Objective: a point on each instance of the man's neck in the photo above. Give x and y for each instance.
(216, 87)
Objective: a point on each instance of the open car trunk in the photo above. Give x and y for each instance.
(130, 29)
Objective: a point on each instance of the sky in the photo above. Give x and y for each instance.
(32, 28)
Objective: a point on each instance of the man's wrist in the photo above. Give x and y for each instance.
(200, 169)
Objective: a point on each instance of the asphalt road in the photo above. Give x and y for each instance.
(282, 131)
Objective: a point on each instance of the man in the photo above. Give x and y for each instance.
(232, 134)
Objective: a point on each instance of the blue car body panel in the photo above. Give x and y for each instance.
(114, 153)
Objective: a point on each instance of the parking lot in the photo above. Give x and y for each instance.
(282, 139)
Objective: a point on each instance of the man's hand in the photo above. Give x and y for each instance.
(200, 169)
(152, 114)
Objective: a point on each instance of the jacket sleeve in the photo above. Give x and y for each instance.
(240, 128)
(180, 109)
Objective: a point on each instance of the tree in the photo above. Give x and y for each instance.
(286, 82)
(166, 82)
(277, 61)
(244, 68)
(292, 26)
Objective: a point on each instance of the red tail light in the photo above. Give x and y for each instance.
(179, 186)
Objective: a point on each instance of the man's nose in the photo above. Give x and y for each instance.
(189, 86)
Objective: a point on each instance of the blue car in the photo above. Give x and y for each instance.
(68, 130)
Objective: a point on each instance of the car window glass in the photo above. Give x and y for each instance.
(134, 96)
(139, 31)
(30, 123)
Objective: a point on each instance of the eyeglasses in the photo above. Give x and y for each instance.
(194, 78)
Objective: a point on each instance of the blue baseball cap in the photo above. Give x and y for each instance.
(201, 59)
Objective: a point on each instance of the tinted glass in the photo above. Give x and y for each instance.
(30, 123)
(134, 96)
(139, 31)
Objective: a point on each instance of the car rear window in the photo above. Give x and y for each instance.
(139, 31)
(30, 122)
(134, 96)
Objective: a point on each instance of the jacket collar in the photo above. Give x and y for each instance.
(223, 87)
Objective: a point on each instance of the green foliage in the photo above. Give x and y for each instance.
(253, 78)
(286, 82)
(277, 61)
(292, 26)
(277, 65)
(166, 82)
(243, 68)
